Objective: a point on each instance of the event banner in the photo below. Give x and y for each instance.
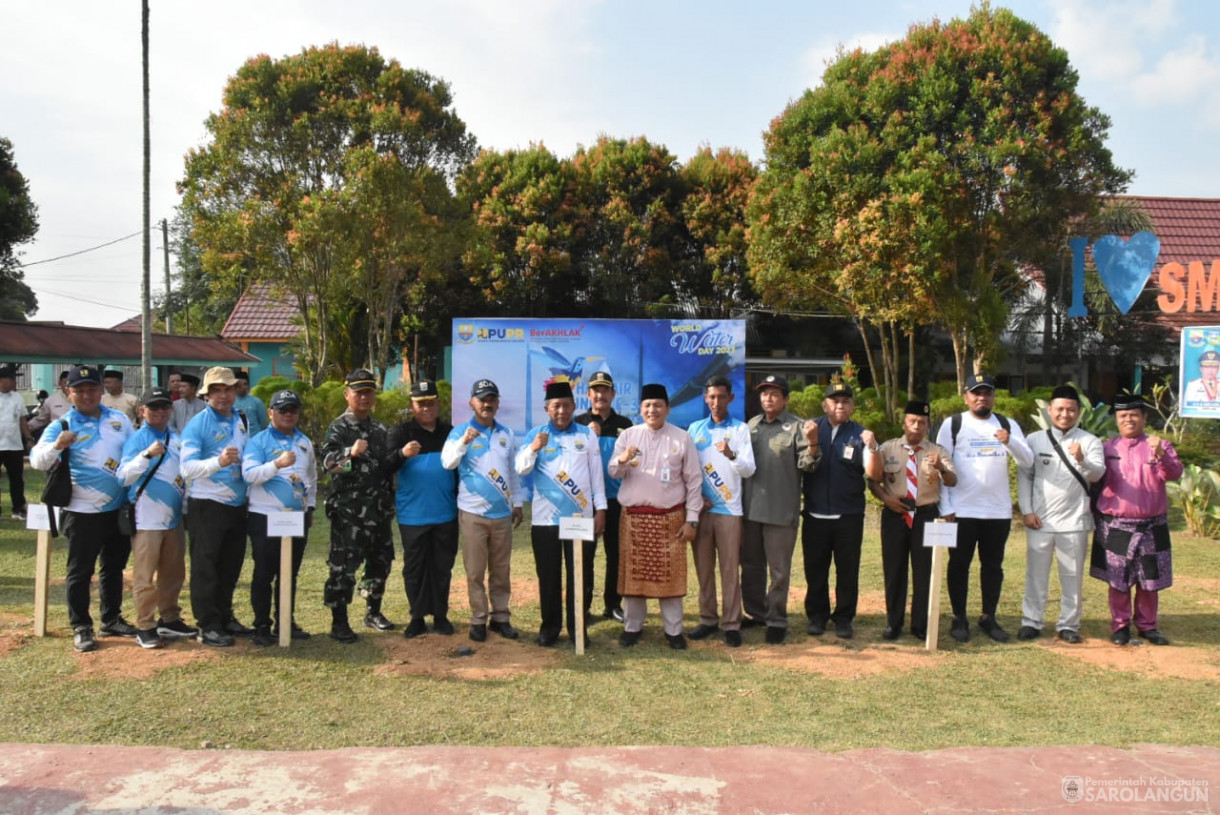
(522, 355)
(1199, 394)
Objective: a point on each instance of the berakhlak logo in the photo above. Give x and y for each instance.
(1124, 265)
(1072, 788)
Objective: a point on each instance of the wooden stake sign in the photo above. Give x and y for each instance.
(940, 536)
(577, 530)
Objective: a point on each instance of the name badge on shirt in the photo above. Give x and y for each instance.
(849, 451)
(665, 474)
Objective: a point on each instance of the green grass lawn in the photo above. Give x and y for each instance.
(320, 694)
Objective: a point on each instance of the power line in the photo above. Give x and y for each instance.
(82, 251)
(90, 301)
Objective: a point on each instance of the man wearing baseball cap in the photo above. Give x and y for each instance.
(212, 445)
(979, 442)
(95, 436)
(607, 424)
(356, 452)
(489, 507)
(278, 464)
(426, 505)
(150, 470)
(785, 446)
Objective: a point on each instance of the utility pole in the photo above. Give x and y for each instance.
(169, 313)
(146, 322)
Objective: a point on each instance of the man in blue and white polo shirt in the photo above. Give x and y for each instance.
(565, 466)
(150, 470)
(489, 506)
(95, 435)
(212, 444)
(726, 457)
(281, 470)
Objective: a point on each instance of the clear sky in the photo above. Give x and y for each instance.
(559, 72)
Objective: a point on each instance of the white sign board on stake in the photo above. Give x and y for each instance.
(578, 530)
(940, 536)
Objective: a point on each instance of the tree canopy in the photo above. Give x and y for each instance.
(18, 225)
(908, 187)
(327, 173)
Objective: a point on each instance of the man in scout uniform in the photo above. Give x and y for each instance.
(426, 504)
(662, 497)
(913, 471)
(1054, 496)
(785, 446)
(116, 398)
(489, 508)
(1131, 546)
(564, 465)
(726, 458)
(356, 453)
(607, 424)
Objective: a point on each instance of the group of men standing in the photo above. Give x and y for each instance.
(735, 492)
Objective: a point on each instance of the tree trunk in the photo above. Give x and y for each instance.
(911, 364)
(868, 351)
(961, 355)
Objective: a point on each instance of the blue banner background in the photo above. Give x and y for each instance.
(521, 356)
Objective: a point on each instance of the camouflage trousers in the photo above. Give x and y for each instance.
(354, 541)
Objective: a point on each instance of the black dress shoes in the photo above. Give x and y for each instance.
(843, 629)
(1121, 637)
(816, 628)
(776, 634)
(992, 629)
(546, 640)
(414, 628)
(1155, 637)
(504, 629)
(478, 633)
(1027, 632)
(702, 632)
(1068, 635)
(629, 638)
(676, 641)
(732, 639)
(891, 633)
(960, 630)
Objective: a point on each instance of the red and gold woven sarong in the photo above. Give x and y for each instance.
(652, 562)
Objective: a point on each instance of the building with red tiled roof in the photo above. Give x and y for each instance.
(265, 322)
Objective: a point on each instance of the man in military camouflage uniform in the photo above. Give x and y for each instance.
(360, 506)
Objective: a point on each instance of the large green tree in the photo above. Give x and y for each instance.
(326, 171)
(716, 191)
(18, 225)
(908, 187)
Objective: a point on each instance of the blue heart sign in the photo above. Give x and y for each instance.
(1125, 265)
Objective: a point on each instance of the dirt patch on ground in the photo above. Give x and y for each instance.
(436, 656)
(1209, 586)
(840, 661)
(1146, 660)
(121, 658)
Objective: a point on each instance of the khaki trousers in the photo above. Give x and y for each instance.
(719, 538)
(487, 548)
(158, 570)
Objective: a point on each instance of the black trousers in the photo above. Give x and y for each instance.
(218, 550)
(265, 582)
(610, 544)
(823, 541)
(547, 555)
(990, 537)
(901, 545)
(13, 462)
(428, 553)
(92, 535)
